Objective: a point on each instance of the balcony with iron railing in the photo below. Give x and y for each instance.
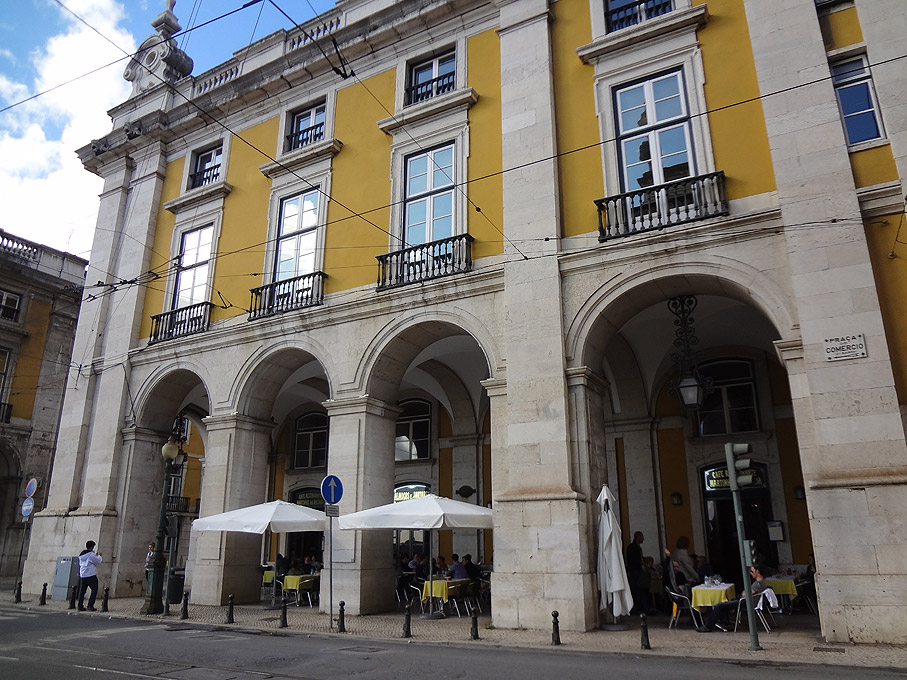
(425, 262)
(203, 177)
(6, 412)
(180, 322)
(430, 88)
(658, 207)
(284, 296)
(181, 505)
(9, 313)
(640, 11)
(301, 138)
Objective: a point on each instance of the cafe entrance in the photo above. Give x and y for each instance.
(303, 543)
(721, 525)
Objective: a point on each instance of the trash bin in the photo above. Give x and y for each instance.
(175, 584)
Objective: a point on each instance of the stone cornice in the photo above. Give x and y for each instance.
(438, 105)
(299, 158)
(195, 197)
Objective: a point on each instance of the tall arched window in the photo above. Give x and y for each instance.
(731, 405)
(311, 445)
(413, 440)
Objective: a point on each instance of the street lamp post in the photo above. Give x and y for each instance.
(154, 601)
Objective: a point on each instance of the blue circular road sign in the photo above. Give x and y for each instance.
(31, 487)
(27, 506)
(331, 489)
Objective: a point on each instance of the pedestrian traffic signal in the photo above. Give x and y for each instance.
(751, 552)
(737, 465)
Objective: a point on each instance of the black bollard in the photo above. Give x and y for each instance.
(474, 627)
(555, 629)
(166, 605)
(341, 620)
(230, 609)
(43, 599)
(73, 592)
(643, 633)
(105, 603)
(185, 613)
(407, 622)
(19, 592)
(283, 613)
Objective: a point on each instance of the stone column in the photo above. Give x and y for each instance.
(851, 436)
(236, 476)
(362, 456)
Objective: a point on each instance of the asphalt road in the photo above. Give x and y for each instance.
(57, 646)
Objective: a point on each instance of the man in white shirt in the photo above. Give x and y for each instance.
(88, 575)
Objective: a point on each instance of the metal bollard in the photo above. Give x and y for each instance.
(73, 592)
(166, 604)
(407, 621)
(185, 613)
(18, 592)
(230, 609)
(105, 603)
(555, 629)
(341, 620)
(474, 627)
(643, 633)
(43, 599)
(283, 613)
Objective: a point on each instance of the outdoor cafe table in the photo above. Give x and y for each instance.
(439, 588)
(709, 596)
(782, 586)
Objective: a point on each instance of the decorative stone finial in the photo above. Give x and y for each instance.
(158, 59)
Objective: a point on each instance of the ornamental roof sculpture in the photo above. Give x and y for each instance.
(158, 59)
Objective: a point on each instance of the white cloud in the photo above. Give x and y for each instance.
(49, 197)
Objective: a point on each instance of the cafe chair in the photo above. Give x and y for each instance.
(309, 586)
(681, 603)
(415, 593)
(291, 586)
(766, 601)
(267, 583)
(804, 593)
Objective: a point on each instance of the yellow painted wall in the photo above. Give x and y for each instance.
(485, 153)
(840, 28)
(673, 471)
(160, 254)
(797, 530)
(873, 166)
(360, 182)
(244, 232)
(739, 137)
(24, 384)
(581, 179)
(886, 236)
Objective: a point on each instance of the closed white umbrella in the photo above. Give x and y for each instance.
(278, 516)
(612, 573)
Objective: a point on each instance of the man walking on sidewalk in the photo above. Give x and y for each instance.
(88, 575)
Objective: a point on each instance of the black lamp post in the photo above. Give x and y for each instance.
(692, 387)
(173, 454)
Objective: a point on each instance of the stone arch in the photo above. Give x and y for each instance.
(170, 389)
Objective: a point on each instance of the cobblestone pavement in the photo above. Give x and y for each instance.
(795, 639)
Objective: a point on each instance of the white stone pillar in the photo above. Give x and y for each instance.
(236, 476)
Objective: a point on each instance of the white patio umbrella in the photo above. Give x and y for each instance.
(425, 512)
(612, 573)
(278, 516)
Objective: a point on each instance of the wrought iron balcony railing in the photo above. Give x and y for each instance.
(430, 88)
(9, 313)
(284, 296)
(6, 412)
(425, 262)
(180, 322)
(686, 200)
(301, 138)
(630, 15)
(203, 177)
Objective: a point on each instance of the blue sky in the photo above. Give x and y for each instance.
(47, 196)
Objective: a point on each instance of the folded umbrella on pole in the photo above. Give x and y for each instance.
(612, 572)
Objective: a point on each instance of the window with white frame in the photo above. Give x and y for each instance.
(653, 128)
(311, 443)
(413, 436)
(731, 405)
(429, 196)
(9, 305)
(206, 167)
(431, 77)
(306, 127)
(193, 267)
(297, 235)
(857, 100)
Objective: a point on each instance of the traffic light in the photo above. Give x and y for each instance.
(736, 465)
(750, 555)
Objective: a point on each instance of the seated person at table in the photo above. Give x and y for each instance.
(703, 567)
(281, 565)
(419, 565)
(441, 564)
(456, 570)
(307, 567)
(671, 575)
(721, 610)
(295, 568)
(472, 570)
(684, 561)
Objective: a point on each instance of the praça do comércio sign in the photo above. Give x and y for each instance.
(845, 346)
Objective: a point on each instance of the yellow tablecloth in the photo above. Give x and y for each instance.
(782, 586)
(709, 596)
(439, 588)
